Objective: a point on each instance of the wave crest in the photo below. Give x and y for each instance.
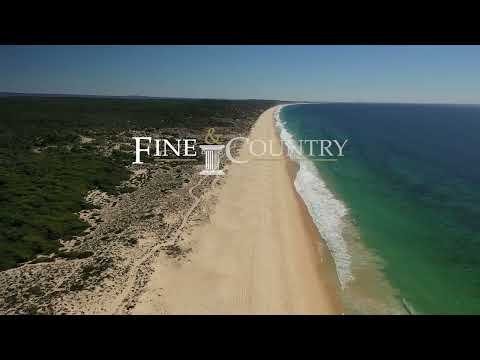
(326, 211)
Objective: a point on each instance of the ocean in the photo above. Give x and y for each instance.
(400, 211)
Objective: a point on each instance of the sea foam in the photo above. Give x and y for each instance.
(326, 211)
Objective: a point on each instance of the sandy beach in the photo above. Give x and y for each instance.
(260, 253)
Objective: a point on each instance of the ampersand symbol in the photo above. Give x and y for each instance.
(210, 138)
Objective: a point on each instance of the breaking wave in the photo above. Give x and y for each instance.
(326, 211)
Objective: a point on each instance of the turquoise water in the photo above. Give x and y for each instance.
(409, 179)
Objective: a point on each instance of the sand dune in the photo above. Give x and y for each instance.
(260, 253)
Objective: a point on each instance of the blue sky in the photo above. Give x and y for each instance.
(449, 74)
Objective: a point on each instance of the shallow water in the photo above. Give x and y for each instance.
(400, 211)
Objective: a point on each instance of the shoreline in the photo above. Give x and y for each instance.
(365, 289)
(261, 252)
(324, 208)
(326, 261)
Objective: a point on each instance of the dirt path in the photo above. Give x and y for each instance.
(123, 302)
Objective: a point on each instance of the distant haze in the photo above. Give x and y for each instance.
(441, 74)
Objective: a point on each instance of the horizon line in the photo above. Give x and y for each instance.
(139, 97)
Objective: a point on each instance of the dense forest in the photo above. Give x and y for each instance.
(46, 170)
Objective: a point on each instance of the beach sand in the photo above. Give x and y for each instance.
(259, 254)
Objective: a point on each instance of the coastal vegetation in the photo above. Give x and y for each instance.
(53, 150)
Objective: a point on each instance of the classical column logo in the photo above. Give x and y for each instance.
(212, 153)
